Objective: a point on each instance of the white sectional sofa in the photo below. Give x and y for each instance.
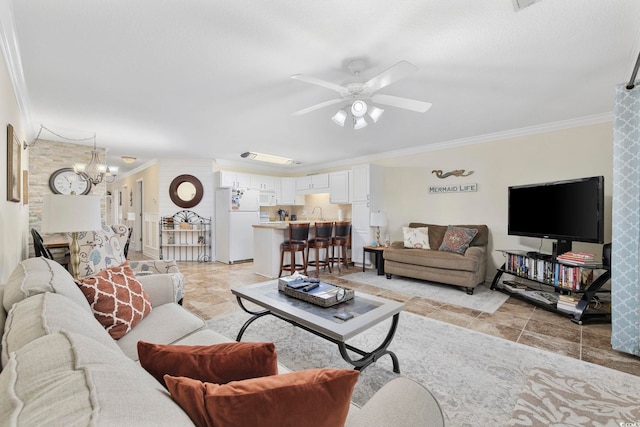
(61, 367)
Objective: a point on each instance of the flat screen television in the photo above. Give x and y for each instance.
(568, 211)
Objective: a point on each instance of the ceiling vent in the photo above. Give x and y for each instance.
(521, 4)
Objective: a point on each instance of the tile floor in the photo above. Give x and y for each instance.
(207, 294)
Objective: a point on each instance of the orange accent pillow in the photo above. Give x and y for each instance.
(315, 397)
(217, 363)
(117, 299)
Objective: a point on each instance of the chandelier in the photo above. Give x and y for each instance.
(358, 110)
(95, 171)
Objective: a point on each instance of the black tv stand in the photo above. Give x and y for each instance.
(541, 275)
(540, 255)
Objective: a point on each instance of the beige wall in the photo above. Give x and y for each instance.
(14, 235)
(572, 153)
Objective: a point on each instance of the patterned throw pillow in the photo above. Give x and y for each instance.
(416, 237)
(116, 298)
(457, 239)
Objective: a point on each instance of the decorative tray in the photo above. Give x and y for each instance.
(325, 295)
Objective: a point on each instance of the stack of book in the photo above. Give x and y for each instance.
(567, 303)
(577, 258)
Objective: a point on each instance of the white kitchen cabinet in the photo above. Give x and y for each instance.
(313, 183)
(367, 196)
(263, 182)
(288, 194)
(360, 230)
(339, 187)
(231, 179)
(360, 183)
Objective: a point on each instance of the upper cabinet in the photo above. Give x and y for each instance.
(288, 194)
(339, 187)
(313, 183)
(232, 179)
(360, 183)
(264, 182)
(291, 190)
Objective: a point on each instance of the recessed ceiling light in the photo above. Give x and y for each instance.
(128, 159)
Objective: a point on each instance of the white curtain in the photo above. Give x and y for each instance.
(625, 242)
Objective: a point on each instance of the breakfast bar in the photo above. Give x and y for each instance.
(267, 237)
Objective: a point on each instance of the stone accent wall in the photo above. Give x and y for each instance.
(45, 157)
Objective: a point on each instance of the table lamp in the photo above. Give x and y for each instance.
(71, 214)
(378, 219)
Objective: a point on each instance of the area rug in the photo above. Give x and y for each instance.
(483, 298)
(479, 380)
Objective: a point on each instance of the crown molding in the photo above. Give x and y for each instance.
(480, 139)
(11, 53)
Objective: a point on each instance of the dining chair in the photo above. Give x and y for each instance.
(41, 250)
(322, 239)
(298, 241)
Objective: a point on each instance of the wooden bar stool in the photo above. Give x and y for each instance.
(323, 236)
(340, 241)
(298, 242)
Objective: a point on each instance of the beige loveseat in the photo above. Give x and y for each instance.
(465, 270)
(61, 367)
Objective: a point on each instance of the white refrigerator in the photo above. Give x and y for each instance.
(236, 212)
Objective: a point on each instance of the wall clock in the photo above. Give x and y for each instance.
(65, 181)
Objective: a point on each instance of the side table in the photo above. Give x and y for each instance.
(378, 251)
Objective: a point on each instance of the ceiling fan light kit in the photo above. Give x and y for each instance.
(340, 117)
(358, 92)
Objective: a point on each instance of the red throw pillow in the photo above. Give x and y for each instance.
(315, 397)
(217, 363)
(116, 298)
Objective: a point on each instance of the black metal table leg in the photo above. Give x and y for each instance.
(256, 315)
(373, 356)
(367, 357)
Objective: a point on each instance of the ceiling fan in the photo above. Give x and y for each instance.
(357, 92)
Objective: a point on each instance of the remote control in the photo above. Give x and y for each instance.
(310, 287)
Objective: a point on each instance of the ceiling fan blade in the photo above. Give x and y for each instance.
(317, 107)
(397, 72)
(319, 82)
(406, 103)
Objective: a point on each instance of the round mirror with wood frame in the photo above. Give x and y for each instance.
(186, 191)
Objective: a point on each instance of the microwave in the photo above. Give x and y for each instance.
(267, 199)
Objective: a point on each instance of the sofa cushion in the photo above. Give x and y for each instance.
(44, 314)
(69, 379)
(416, 237)
(217, 363)
(319, 396)
(437, 232)
(165, 324)
(37, 275)
(117, 299)
(457, 239)
(432, 258)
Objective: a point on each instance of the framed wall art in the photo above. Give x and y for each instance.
(25, 187)
(14, 173)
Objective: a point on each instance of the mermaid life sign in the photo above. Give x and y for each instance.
(453, 188)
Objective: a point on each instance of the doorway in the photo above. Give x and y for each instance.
(138, 209)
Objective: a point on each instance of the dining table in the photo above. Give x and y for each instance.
(54, 242)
